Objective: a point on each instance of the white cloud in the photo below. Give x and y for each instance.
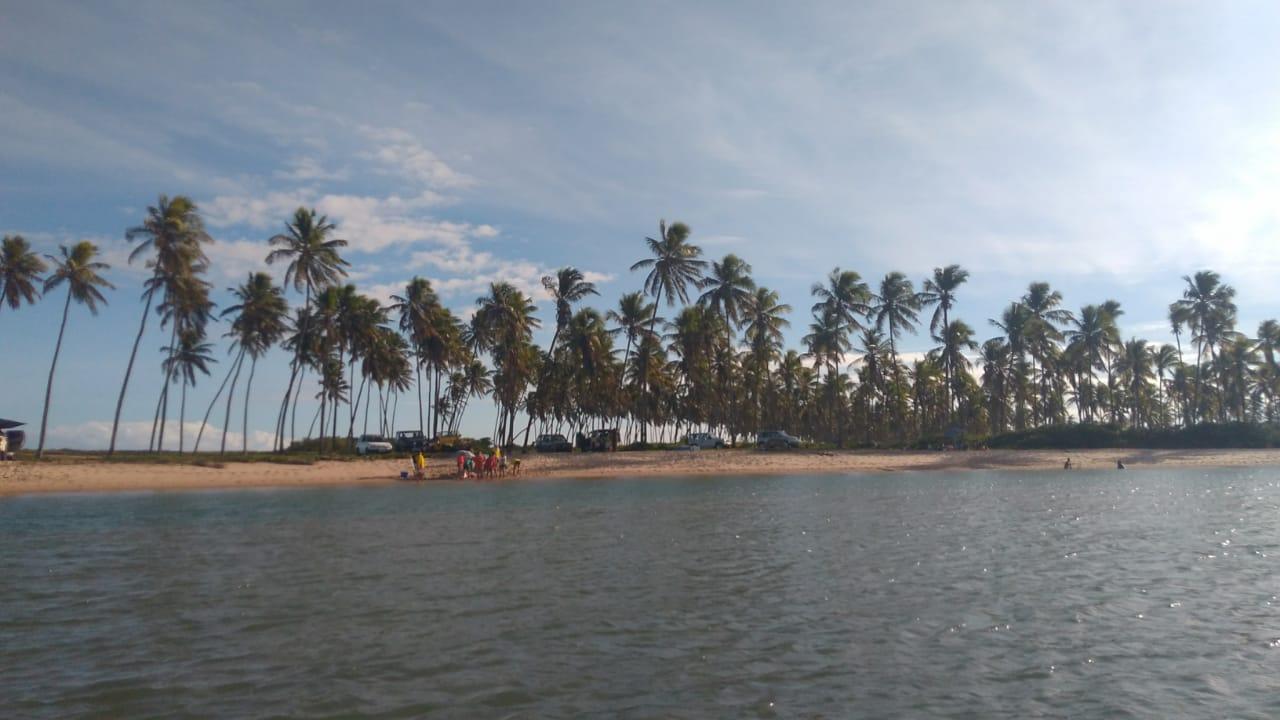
(271, 210)
(398, 151)
(308, 169)
(233, 260)
(136, 435)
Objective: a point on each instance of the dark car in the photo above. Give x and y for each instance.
(552, 442)
(410, 441)
(776, 440)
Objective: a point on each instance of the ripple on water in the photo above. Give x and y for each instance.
(980, 594)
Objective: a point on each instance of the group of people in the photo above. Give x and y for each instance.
(486, 467)
(471, 465)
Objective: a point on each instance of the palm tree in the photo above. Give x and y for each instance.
(503, 325)
(1165, 360)
(1205, 305)
(314, 262)
(20, 271)
(566, 287)
(186, 308)
(846, 295)
(955, 337)
(1135, 367)
(261, 321)
(673, 268)
(173, 235)
(1045, 307)
(191, 354)
(418, 308)
(632, 317)
(80, 271)
(895, 306)
(827, 343)
(728, 289)
(1090, 336)
(940, 290)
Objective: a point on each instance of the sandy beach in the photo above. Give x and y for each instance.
(20, 478)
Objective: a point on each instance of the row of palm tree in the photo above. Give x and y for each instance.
(717, 363)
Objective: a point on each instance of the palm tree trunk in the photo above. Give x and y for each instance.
(124, 386)
(355, 406)
(368, 399)
(182, 416)
(168, 379)
(212, 403)
(320, 445)
(302, 372)
(422, 428)
(297, 395)
(644, 380)
(248, 393)
(1195, 408)
(226, 417)
(155, 420)
(48, 388)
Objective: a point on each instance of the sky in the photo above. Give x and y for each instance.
(1106, 148)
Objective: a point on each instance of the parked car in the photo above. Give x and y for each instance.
(372, 444)
(444, 443)
(706, 441)
(776, 440)
(410, 441)
(552, 442)
(602, 440)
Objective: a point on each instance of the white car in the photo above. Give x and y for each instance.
(706, 441)
(372, 444)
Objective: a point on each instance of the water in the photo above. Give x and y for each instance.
(1135, 594)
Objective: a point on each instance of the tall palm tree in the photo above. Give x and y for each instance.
(503, 325)
(1164, 360)
(418, 308)
(172, 236)
(727, 291)
(78, 269)
(955, 337)
(632, 318)
(846, 295)
(313, 262)
(1135, 367)
(940, 291)
(192, 354)
(186, 308)
(674, 267)
(566, 287)
(895, 306)
(261, 320)
(1205, 304)
(20, 271)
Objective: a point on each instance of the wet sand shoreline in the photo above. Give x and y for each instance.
(92, 476)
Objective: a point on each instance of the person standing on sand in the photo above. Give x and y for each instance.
(1067, 465)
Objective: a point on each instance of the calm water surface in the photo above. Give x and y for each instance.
(1139, 594)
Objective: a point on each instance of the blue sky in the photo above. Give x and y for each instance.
(1107, 148)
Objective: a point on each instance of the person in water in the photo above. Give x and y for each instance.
(1067, 465)
(1119, 465)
